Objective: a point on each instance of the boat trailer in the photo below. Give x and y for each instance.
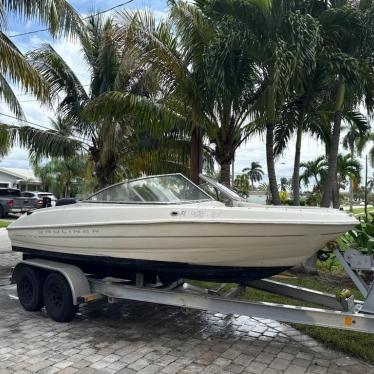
(339, 311)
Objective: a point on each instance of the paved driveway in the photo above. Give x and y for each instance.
(133, 337)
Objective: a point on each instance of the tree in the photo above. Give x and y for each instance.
(62, 176)
(254, 172)
(316, 170)
(173, 54)
(180, 51)
(353, 139)
(284, 184)
(348, 42)
(241, 184)
(348, 169)
(108, 142)
(282, 42)
(59, 17)
(302, 113)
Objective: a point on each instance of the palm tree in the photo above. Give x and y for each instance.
(241, 184)
(103, 54)
(282, 41)
(348, 46)
(354, 138)
(284, 184)
(316, 170)
(179, 52)
(59, 17)
(302, 113)
(109, 143)
(348, 169)
(61, 175)
(172, 50)
(254, 172)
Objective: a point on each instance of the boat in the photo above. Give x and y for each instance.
(167, 227)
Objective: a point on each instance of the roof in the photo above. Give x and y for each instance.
(22, 174)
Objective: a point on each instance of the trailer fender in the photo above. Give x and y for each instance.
(77, 280)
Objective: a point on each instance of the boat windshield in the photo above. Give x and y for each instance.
(164, 189)
(223, 192)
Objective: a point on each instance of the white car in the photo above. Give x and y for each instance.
(38, 196)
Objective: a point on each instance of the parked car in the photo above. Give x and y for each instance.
(37, 197)
(12, 201)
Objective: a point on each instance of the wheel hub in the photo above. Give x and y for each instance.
(56, 296)
(27, 289)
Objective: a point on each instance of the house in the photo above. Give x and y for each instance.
(24, 179)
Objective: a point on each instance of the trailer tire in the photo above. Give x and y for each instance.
(30, 288)
(58, 298)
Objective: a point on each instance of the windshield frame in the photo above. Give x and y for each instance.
(226, 191)
(209, 198)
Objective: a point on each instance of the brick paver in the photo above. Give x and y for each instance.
(133, 337)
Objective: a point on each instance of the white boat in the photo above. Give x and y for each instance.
(167, 226)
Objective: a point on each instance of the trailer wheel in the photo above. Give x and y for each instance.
(29, 288)
(58, 298)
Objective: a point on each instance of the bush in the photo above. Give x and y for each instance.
(283, 195)
(290, 202)
(313, 199)
(362, 236)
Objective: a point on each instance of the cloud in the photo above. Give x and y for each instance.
(254, 150)
(16, 159)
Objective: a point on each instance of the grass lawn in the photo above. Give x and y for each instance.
(4, 223)
(360, 211)
(353, 343)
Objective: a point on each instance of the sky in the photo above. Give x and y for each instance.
(252, 150)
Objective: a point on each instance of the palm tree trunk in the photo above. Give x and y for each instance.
(317, 183)
(195, 155)
(351, 185)
(331, 180)
(270, 163)
(104, 172)
(335, 196)
(225, 173)
(296, 165)
(232, 171)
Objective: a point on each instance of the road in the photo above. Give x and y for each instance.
(133, 337)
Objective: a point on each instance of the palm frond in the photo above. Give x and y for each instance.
(115, 106)
(62, 82)
(15, 66)
(39, 143)
(10, 99)
(358, 120)
(57, 15)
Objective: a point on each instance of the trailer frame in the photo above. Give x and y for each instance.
(342, 311)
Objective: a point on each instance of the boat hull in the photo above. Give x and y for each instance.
(123, 268)
(196, 241)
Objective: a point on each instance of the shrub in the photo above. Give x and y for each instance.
(362, 236)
